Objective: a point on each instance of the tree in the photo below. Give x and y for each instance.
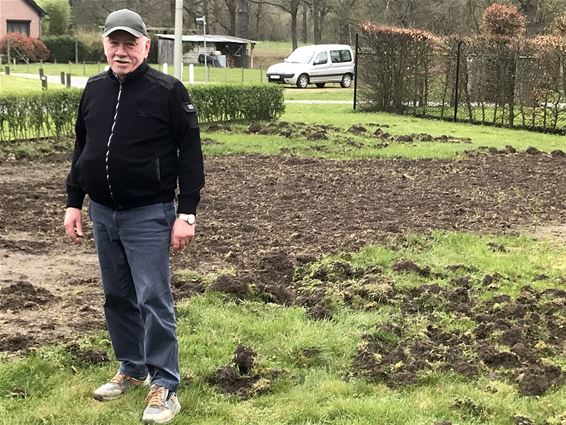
(501, 20)
(58, 16)
(291, 7)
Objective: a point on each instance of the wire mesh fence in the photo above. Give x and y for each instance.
(511, 83)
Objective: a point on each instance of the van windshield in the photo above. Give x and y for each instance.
(301, 55)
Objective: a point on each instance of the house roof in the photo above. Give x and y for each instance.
(36, 7)
(210, 38)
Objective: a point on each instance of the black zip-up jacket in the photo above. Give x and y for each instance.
(135, 139)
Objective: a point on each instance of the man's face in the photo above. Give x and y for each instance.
(125, 52)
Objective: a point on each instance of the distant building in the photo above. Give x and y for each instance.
(21, 16)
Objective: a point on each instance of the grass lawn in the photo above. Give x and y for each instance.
(215, 75)
(15, 85)
(308, 376)
(341, 144)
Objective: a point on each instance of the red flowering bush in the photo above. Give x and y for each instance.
(501, 20)
(32, 48)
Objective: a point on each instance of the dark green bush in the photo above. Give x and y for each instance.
(62, 48)
(53, 113)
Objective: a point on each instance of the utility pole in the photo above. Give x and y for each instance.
(178, 45)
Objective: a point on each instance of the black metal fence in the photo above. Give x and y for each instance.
(490, 83)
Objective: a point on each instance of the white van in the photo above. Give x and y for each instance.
(318, 64)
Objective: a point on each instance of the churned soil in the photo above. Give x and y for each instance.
(263, 216)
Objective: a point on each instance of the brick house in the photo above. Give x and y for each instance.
(23, 16)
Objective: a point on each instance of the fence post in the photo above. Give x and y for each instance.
(242, 74)
(457, 82)
(68, 80)
(62, 77)
(41, 73)
(191, 74)
(7, 70)
(43, 79)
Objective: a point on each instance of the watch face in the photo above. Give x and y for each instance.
(191, 219)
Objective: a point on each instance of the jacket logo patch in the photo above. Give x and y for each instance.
(189, 107)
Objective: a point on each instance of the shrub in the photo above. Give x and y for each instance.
(232, 102)
(501, 20)
(62, 48)
(37, 115)
(92, 46)
(54, 112)
(394, 73)
(32, 48)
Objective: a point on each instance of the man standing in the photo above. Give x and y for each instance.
(137, 135)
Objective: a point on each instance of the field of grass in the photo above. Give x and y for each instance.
(342, 144)
(306, 364)
(215, 75)
(15, 85)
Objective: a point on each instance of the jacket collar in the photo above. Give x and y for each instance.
(132, 76)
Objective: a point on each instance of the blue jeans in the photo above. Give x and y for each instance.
(133, 252)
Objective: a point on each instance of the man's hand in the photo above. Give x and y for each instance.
(73, 224)
(182, 234)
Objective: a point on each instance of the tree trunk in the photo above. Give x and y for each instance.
(305, 10)
(294, 28)
(258, 17)
(243, 19)
(529, 8)
(316, 21)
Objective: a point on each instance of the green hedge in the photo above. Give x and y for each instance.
(53, 113)
(235, 102)
(34, 115)
(62, 48)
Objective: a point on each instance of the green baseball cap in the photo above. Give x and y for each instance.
(125, 20)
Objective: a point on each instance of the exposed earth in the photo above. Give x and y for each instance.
(262, 216)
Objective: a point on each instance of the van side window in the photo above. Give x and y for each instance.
(321, 58)
(338, 56)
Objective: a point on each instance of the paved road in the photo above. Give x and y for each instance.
(76, 81)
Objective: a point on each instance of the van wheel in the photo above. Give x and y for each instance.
(346, 81)
(320, 85)
(303, 81)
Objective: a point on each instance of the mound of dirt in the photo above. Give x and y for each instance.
(22, 295)
(241, 378)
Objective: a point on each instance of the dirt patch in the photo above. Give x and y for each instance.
(23, 295)
(530, 329)
(263, 215)
(242, 378)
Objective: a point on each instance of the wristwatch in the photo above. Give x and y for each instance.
(189, 218)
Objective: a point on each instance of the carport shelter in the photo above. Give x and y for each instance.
(237, 51)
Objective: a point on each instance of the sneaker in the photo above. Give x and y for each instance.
(162, 406)
(117, 387)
